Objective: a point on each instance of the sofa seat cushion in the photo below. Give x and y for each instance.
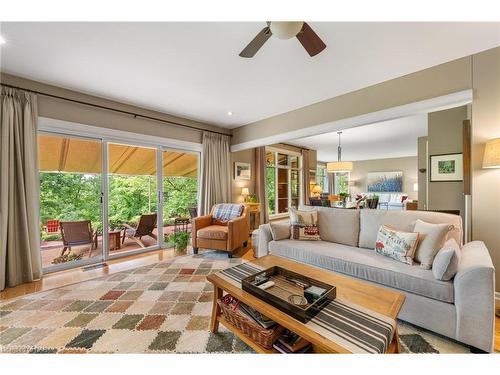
(365, 264)
(213, 232)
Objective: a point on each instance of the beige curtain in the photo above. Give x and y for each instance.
(215, 171)
(260, 183)
(305, 176)
(20, 259)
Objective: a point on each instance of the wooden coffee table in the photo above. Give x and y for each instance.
(378, 299)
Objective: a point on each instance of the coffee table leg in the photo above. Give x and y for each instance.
(397, 347)
(214, 324)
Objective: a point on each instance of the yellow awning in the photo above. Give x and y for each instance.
(62, 154)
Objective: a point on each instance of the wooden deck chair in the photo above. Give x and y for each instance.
(77, 233)
(147, 223)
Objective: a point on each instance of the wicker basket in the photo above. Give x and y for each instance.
(263, 337)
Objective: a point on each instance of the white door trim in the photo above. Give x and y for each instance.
(113, 135)
(439, 103)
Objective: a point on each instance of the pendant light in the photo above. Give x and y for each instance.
(339, 165)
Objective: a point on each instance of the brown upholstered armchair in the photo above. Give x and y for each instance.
(209, 234)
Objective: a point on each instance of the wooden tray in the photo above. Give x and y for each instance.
(278, 294)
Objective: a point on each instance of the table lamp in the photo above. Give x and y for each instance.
(245, 193)
(317, 190)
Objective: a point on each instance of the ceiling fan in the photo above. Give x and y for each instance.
(286, 30)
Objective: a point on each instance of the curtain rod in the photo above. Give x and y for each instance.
(135, 115)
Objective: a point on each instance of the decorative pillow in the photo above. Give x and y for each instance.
(396, 244)
(432, 238)
(223, 212)
(445, 264)
(280, 230)
(304, 225)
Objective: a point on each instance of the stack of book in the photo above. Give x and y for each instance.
(291, 343)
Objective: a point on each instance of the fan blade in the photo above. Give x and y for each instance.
(310, 40)
(257, 42)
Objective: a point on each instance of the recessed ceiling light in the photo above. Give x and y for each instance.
(229, 113)
(2, 40)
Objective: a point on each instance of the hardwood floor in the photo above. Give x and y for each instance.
(497, 334)
(58, 279)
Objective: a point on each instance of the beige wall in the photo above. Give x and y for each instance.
(361, 168)
(73, 112)
(445, 137)
(436, 81)
(486, 125)
(245, 156)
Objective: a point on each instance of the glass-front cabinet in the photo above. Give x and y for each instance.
(283, 179)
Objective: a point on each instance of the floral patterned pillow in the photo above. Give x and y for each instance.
(396, 244)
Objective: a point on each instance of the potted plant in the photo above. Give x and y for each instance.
(343, 198)
(180, 241)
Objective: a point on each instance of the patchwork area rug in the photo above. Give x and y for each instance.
(159, 308)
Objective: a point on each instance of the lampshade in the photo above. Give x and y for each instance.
(491, 158)
(317, 189)
(244, 191)
(339, 166)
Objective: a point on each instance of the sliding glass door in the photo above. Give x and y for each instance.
(132, 198)
(180, 188)
(70, 172)
(101, 198)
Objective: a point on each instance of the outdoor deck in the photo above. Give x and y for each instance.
(52, 249)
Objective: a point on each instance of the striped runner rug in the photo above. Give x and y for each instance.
(353, 327)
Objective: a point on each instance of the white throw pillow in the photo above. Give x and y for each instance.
(432, 238)
(445, 264)
(280, 230)
(396, 244)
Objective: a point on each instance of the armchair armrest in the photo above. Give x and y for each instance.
(474, 286)
(197, 224)
(238, 231)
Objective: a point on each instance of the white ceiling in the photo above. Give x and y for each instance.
(193, 69)
(387, 139)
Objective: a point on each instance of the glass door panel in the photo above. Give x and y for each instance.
(295, 190)
(282, 190)
(132, 198)
(271, 189)
(70, 172)
(180, 189)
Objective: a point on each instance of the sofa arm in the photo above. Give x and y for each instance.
(237, 232)
(197, 224)
(475, 297)
(265, 236)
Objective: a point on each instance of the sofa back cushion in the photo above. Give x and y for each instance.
(338, 225)
(371, 220)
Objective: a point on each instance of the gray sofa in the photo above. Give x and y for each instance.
(462, 308)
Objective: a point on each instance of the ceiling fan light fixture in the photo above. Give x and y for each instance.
(286, 29)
